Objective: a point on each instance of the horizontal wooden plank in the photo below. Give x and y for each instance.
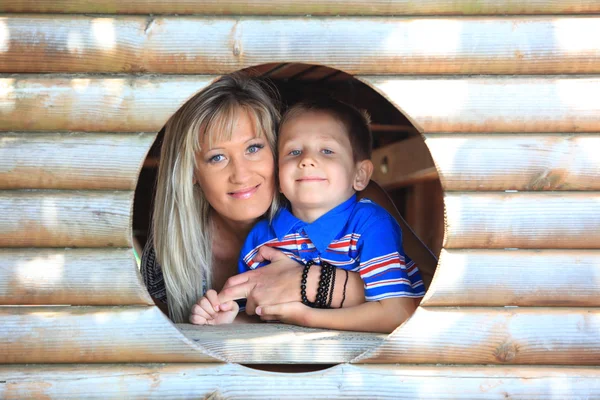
(281, 344)
(209, 45)
(517, 161)
(305, 7)
(46, 218)
(93, 335)
(514, 335)
(75, 103)
(522, 220)
(126, 103)
(403, 163)
(516, 278)
(525, 220)
(72, 161)
(70, 276)
(230, 381)
(495, 104)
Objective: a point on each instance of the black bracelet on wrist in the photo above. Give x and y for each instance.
(344, 292)
(325, 288)
(303, 284)
(331, 288)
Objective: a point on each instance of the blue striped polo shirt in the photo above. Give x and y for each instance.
(358, 236)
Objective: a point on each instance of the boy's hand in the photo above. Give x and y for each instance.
(210, 311)
(294, 313)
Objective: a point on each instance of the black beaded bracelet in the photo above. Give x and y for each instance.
(331, 289)
(325, 290)
(303, 284)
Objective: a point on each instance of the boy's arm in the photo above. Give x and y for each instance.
(374, 316)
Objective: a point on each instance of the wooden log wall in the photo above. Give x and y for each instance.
(506, 95)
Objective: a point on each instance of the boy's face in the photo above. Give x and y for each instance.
(316, 168)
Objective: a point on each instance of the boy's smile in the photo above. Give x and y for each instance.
(316, 167)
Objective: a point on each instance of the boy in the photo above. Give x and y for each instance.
(324, 159)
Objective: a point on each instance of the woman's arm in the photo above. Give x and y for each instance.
(413, 246)
(279, 282)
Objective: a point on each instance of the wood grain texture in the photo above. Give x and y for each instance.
(46, 218)
(70, 276)
(93, 335)
(525, 220)
(495, 104)
(72, 160)
(229, 381)
(517, 161)
(121, 103)
(124, 103)
(209, 45)
(305, 7)
(547, 336)
(281, 344)
(516, 278)
(403, 163)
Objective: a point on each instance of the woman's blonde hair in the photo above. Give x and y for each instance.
(181, 226)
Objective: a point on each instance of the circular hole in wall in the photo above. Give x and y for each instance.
(403, 166)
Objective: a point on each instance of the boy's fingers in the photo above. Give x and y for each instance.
(206, 306)
(228, 306)
(197, 319)
(199, 311)
(212, 297)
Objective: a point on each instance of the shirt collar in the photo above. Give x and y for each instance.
(322, 231)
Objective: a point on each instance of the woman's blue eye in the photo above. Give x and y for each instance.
(255, 148)
(327, 151)
(216, 158)
(295, 153)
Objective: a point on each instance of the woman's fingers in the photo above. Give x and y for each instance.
(238, 279)
(266, 253)
(236, 292)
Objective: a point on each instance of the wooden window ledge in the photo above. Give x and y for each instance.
(274, 343)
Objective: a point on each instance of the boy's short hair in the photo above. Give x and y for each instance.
(357, 122)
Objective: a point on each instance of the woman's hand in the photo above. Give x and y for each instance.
(278, 282)
(210, 310)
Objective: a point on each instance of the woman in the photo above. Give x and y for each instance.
(216, 179)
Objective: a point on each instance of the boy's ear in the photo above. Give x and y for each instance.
(364, 170)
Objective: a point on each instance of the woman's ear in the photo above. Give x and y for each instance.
(364, 170)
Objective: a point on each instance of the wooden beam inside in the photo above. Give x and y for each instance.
(403, 163)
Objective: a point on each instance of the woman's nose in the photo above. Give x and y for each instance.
(240, 171)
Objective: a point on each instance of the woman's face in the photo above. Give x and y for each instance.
(237, 176)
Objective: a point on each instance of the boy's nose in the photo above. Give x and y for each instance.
(307, 161)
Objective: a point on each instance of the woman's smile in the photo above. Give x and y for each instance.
(245, 193)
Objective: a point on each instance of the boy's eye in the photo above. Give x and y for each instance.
(255, 148)
(295, 153)
(326, 151)
(216, 158)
